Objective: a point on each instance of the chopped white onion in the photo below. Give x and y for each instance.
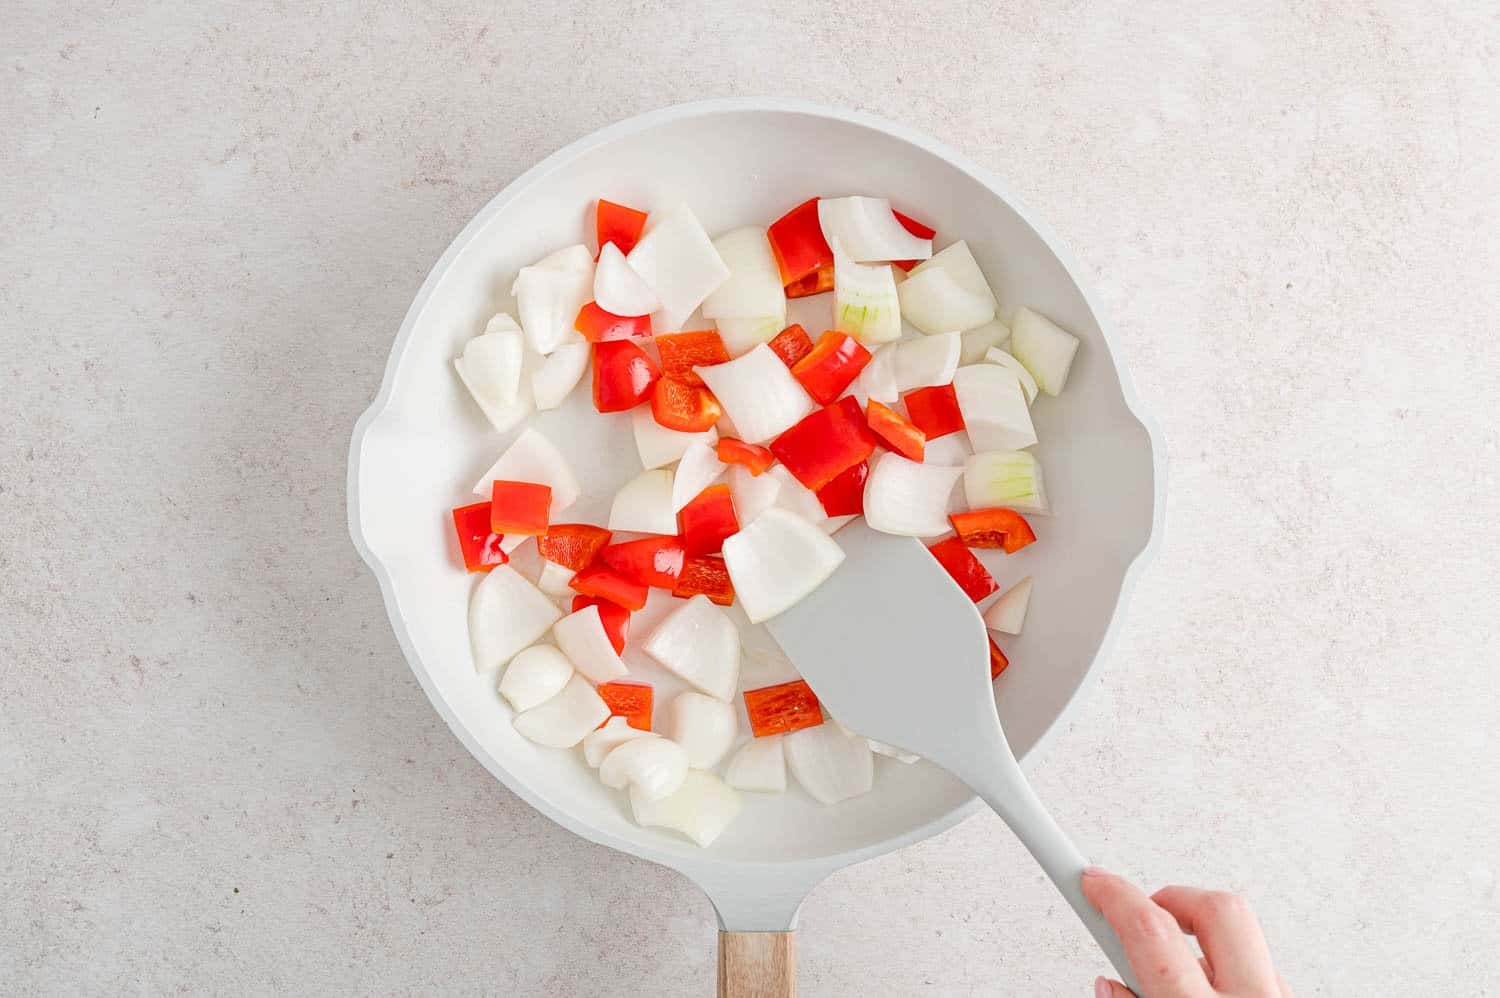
(1028, 384)
(869, 231)
(644, 504)
(582, 638)
(564, 720)
(994, 407)
(554, 579)
(831, 764)
(834, 524)
(950, 449)
(679, 262)
(759, 393)
(927, 361)
(743, 334)
(534, 676)
(506, 614)
(703, 726)
(1005, 478)
(1044, 347)
(891, 751)
(653, 767)
(1008, 613)
(934, 302)
(978, 340)
(510, 542)
(878, 379)
(600, 742)
(659, 445)
(701, 808)
(701, 644)
(549, 295)
(753, 494)
(559, 373)
(959, 263)
(699, 468)
(777, 560)
(907, 498)
(793, 496)
(490, 369)
(533, 458)
(758, 765)
(754, 284)
(864, 299)
(618, 289)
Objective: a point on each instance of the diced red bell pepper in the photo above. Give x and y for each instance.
(816, 283)
(845, 495)
(706, 520)
(678, 405)
(752, 456)
(972, 577)
(775, 710)
(520, 508)
(998, 661)
(895, 430)
(831, 365)
(623, 375)
(935, 411)
(799, 247)
(825, 443)
(599, 326)
(631, 701)
(479, 544)
(614, 617)
(651, 561)
(791, 344)
(615, 223)
(705, 575)
(572, 545)
(681, 352)
(606, 583)
(917, 229)
(993, 528)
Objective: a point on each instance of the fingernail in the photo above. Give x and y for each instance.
(1101, 988)
(1097, 871)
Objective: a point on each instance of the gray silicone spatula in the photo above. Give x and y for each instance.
(896, 651)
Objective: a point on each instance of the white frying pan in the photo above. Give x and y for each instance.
(422, 444)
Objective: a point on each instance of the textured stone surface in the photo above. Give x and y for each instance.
(218, 775)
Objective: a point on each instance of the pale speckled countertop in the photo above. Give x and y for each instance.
(217, 773)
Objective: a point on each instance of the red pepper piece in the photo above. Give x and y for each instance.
(998, 661)
(752, 456)
(615, 223)
(678, 405)
(623, 375)
(895, 430)
(917, 229)
(845, 495)
(520, 508)
(681, 352)
(705, 575)
(791, 344)
(816, 283)
(775, 710)
(825, 443)
(599, 326)
(631, 701)
(934, 411)
(706, 520)
(572, 545)
(479, 544)
(993, 528)
(614, 617)
(972, 577)
(650, 561)
(597, 580)
(797, 242)
(831, 365)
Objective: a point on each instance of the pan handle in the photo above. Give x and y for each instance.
(757, 964)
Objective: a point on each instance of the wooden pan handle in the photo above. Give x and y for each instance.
(757, 965)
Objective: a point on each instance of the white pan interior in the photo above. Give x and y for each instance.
(424, 443)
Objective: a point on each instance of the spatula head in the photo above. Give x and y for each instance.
(894, 649)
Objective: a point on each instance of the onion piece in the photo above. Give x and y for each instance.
(865, 304)
(950, 449)
(927, 362)
(753, 494)
(1004, 478)
(490, 369)
(601, 741)
(563, 721)
(659, 445)
(834, 524)
(878, 379)
(1008, 613)
(1028, 384)
(759, 765)
(644, 504)
(559, 373)
(549, 294)
(891, 751)
(554, 578)
(679, 262)
(703, 726)
(533, 458)
(959, 263)
(830, 763)
(618, 289)
(1044, 347)
(869, 231)
(934, 302)
(652, 767)
(742, 334)
(701, 808)
(701, 644)
(534, 676)
(754, 284)
(777, 560)
(907, 498)
(758, 393)
(793, 496)
(994, 407)
(506, 614)
(699, 468)
(978, 340)
(582, 638)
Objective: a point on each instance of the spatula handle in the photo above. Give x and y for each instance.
(757, 965)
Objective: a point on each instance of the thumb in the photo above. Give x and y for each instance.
(1106, 988)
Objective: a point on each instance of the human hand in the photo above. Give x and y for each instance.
(1235, 959)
